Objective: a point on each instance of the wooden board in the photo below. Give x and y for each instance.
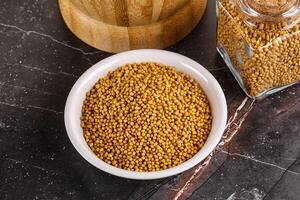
(120, 25)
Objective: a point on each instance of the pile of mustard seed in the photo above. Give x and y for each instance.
(146, 117)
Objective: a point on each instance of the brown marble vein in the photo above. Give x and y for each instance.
(233, 126)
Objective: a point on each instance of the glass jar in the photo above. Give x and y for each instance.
(260, 43)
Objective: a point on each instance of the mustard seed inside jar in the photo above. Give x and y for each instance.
(260, 42)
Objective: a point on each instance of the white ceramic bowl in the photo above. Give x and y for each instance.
(181, 63)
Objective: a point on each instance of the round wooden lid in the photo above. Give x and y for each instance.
(271, 7)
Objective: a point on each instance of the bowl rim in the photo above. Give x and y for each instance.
(104, 66)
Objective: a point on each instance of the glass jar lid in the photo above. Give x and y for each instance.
(271, 7)
(286, 12)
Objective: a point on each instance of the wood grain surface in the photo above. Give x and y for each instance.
(120, 25)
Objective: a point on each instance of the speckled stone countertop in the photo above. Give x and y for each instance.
(40, 60)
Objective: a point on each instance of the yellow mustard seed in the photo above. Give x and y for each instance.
(146, 117)
(274, 60)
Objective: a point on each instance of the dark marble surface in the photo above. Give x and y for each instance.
(40, 60)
